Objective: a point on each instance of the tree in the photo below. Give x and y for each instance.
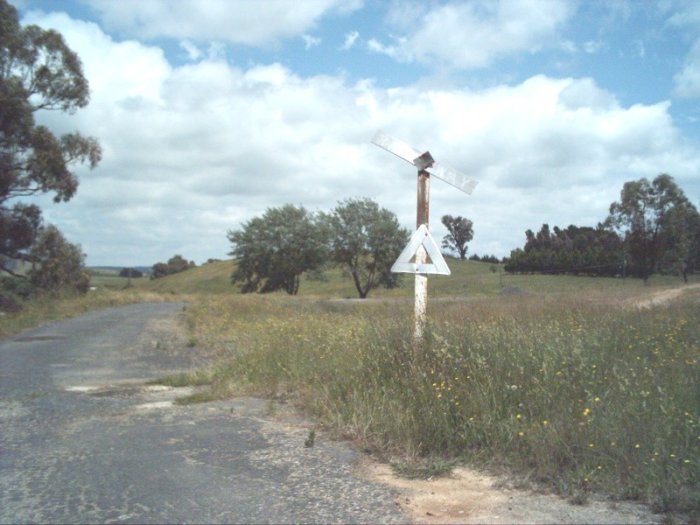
(58, 264)
(38, 72)
(366, 240)
(273, 251)
(131, 273)
(460, 232)
(176, 264)
(680, 241)
(574, 250)
(659, 225)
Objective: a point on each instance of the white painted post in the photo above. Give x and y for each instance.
(421, 280)
(420, 306)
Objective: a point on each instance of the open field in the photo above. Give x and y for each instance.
(570, 386)
(108, 279)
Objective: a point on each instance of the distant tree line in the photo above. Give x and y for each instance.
(653, 228)
(575, 250)
(486, 258)
(131, 273)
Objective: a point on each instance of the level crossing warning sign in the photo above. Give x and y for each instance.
(406, 262)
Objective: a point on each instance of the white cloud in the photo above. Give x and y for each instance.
(593, 46)
(569, 46)
(193, 52)
(310, 41)
(687, 81)
(243, 22)
(350, 39)
(471, 35)
(590, 46)
(193, 151)
(397, 52)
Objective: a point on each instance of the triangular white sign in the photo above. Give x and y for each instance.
(421, 237)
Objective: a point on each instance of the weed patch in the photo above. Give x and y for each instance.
(426, 468)
(194, 378)
(197, 397)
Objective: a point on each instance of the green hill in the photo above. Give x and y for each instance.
(469, 278)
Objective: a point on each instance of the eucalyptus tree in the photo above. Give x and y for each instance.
(58, 264)
(272, 252)
(38, 73)
(365, 241)
(460, 232)
(659, 225)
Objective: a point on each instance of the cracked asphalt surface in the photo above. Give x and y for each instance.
(84, 439)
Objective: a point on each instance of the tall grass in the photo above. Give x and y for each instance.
(581, 396)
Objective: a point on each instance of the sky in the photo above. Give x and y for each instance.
(211, 111)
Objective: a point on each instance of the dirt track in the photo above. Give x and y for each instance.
(665, 296)
(467, 496)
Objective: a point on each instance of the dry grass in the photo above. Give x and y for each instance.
(581, 395)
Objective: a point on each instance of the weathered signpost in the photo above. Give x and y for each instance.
(422, 255)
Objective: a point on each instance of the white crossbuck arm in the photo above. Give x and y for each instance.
(404, 151)
(395, 146)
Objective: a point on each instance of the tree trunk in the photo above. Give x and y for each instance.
(358, 285)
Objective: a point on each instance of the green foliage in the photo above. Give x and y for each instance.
(661, 227)
(365, 241)
(653, 228)
(13, 291)
(485, 258)
(310, 439)
(195, 398)
(273, 251)
(193, 378)
(176, 264)
(37, 72)
(58, 264)
(130, 273)
(425, 468)
(576, 250)
(460, 232)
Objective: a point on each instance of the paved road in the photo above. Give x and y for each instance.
(83, 439)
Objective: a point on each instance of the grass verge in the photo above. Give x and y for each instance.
(579, 395)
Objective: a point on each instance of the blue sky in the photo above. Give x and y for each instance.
(211, 111)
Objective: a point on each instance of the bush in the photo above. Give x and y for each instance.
(175, 264)
(131, 272)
